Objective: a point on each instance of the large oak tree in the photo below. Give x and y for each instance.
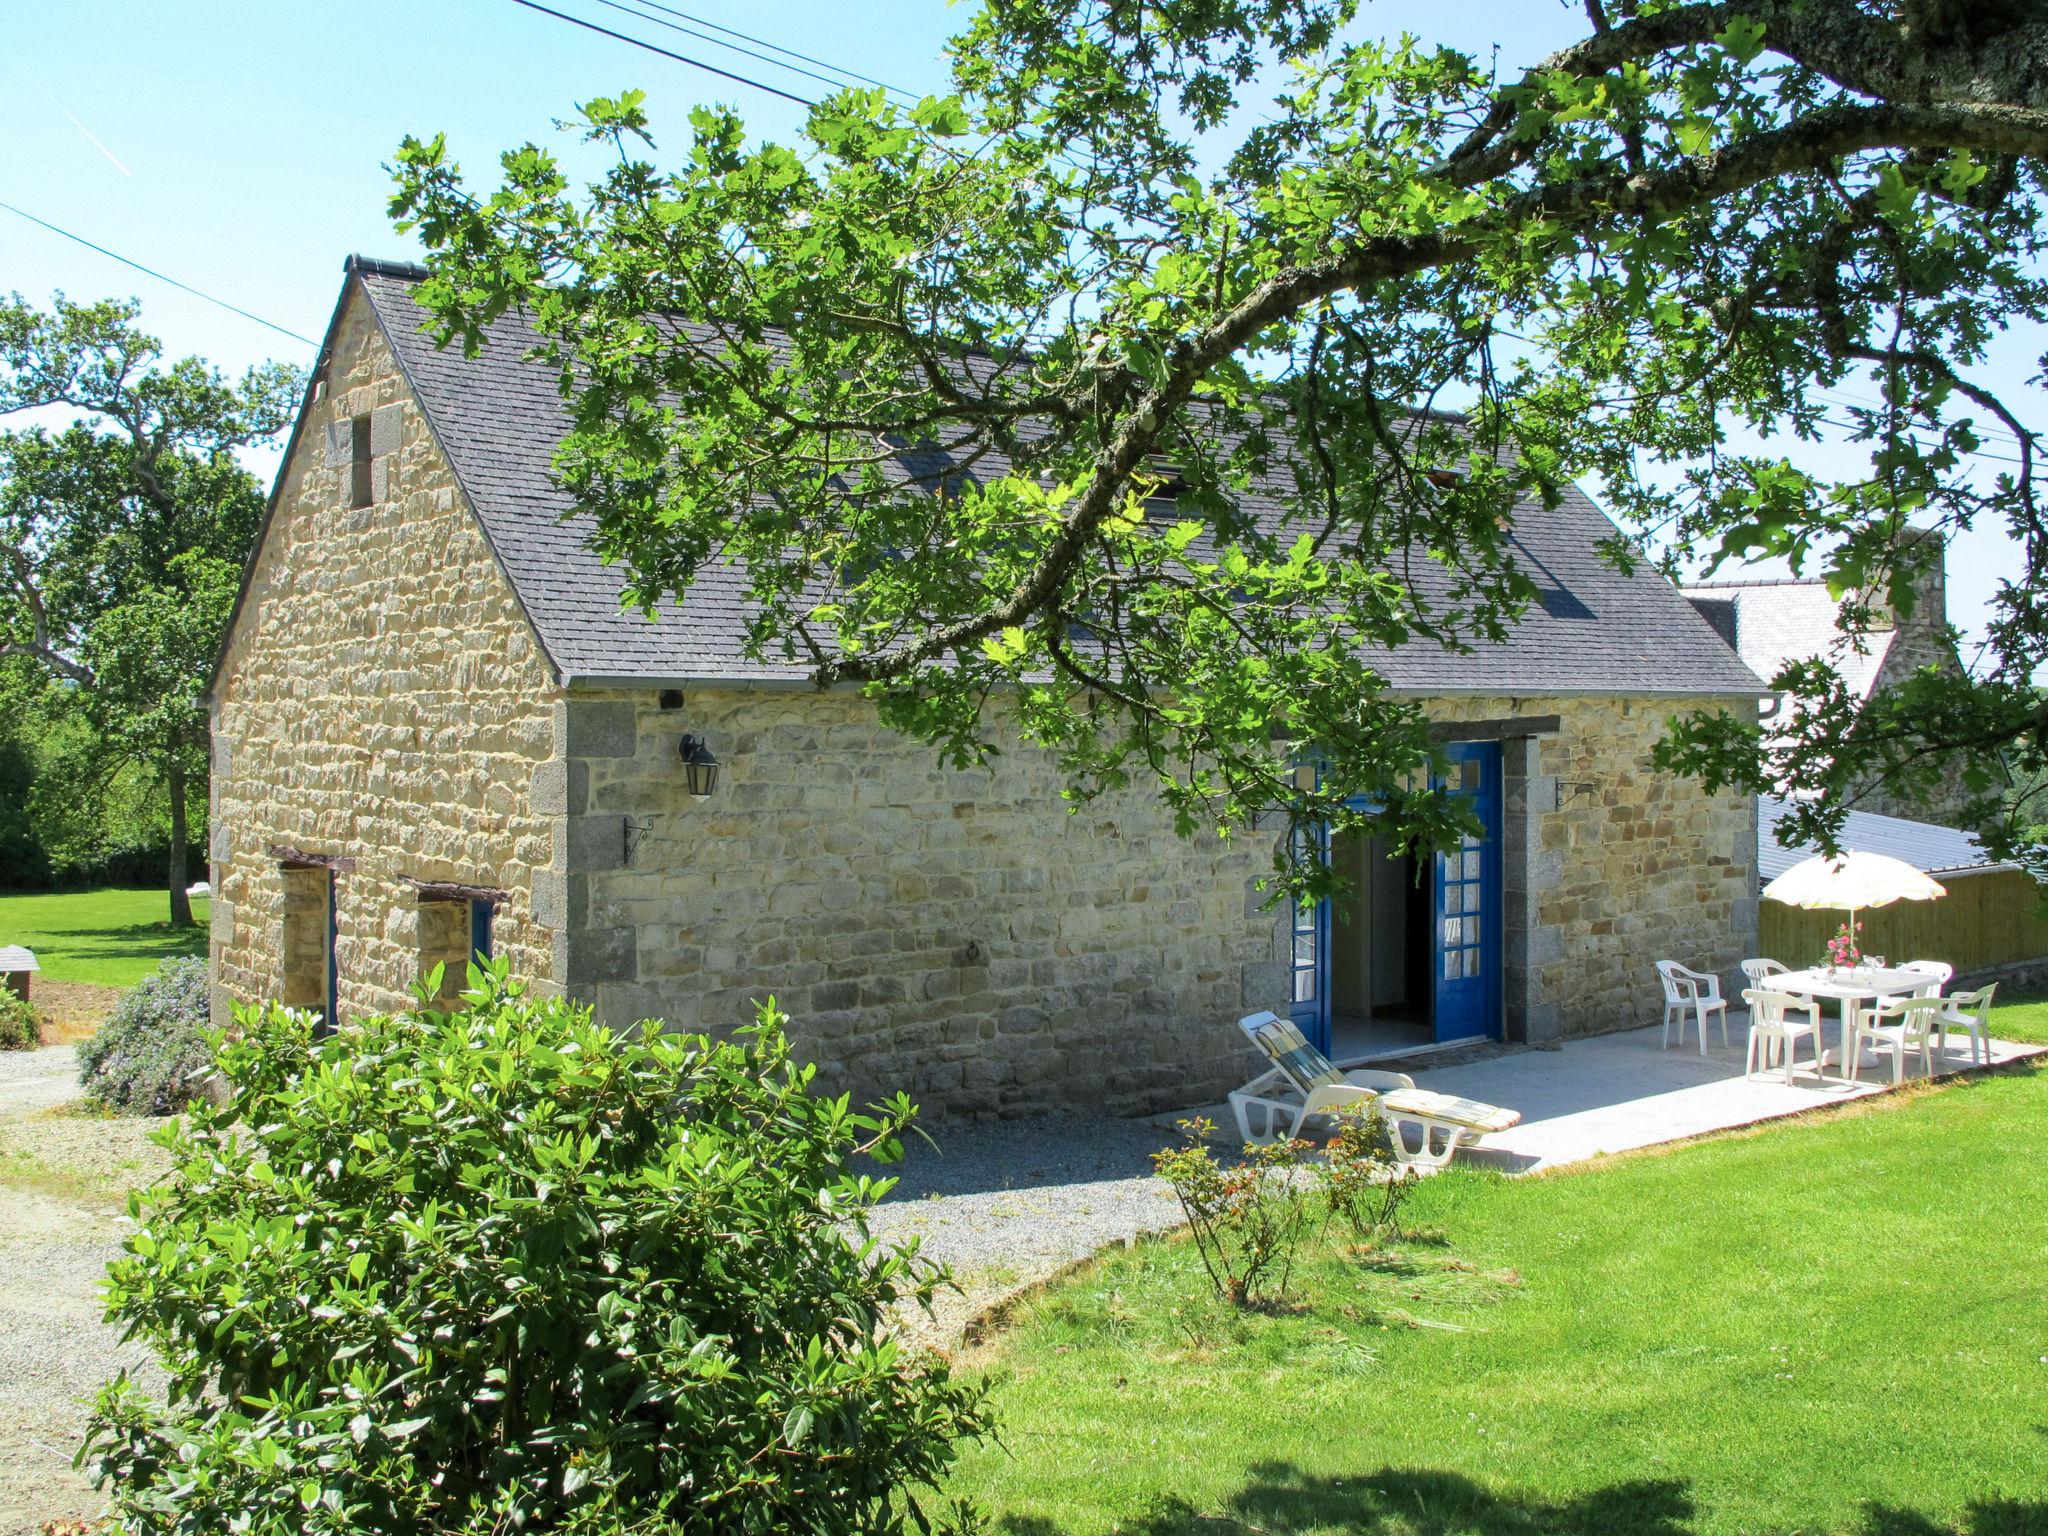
(1244, 235)
(122, 534)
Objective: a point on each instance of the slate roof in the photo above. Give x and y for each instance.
(498, 416)
(1789, 619)
(1936, 850)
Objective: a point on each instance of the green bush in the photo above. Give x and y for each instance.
(497, 1271)
(21, 1027)
(155, 1049)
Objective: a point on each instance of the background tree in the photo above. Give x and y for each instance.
(123, 533)
(1102, 249)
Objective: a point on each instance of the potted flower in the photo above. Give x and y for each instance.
(1843, 953)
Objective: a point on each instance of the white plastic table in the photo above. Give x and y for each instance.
(1864, 983)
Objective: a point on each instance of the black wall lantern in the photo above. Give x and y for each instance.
(700, 768)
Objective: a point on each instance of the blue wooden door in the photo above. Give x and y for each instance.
(333, 1010)
(1309, 960)
(1465, 895)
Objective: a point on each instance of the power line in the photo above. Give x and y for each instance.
(1850, 403)
(197, 293)
(1922, 443)
(763, 42)
(637, 42)
(795, 69)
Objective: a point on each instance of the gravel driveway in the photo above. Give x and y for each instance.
(37, 1079)
(1007, 1204)
(60, 1180)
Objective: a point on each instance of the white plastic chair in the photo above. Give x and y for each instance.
(1691, 993)
(1895, 1027)
(1773, 1037)
(1759, 970)
(1969, 1011)
(1939, 973)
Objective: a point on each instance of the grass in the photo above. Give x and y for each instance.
(111, 937)
(1828, 1326)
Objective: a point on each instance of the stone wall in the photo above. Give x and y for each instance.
(383, 701)
(955, 934)
(958, 935)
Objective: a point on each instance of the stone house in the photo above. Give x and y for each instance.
(434, 730)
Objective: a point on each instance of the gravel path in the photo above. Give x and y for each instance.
(1006, 1205)
(37, 1079)
(61, 1177)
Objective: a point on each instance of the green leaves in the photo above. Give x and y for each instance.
(1098, 402)
(495, 1269)
(127, 529)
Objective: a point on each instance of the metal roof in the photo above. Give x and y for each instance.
(14, 958)
(1933, 849)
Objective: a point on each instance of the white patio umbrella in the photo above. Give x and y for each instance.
(1852, 881)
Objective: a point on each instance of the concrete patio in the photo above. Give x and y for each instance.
(1615, 1093)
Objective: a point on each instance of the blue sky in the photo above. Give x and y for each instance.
(239, 145)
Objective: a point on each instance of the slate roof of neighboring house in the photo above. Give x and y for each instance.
(1937, 850)
(499, 415)
(1790, 619)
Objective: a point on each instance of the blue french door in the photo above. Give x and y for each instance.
(1309, 957)
(1464, 912)
(1465, 900)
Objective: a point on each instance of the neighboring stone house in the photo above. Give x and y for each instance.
(1772, 622)
(434, 729)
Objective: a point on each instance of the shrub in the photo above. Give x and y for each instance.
(155, 1049)
(1362, 1183)
(21, 1027)
(497, 1271)
(1246, 1219)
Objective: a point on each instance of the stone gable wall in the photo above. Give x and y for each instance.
(383, 701)
(1921, 641)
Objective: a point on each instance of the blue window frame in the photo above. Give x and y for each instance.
(480, 914)
(1309, 962)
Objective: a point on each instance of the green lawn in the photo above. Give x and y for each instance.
(1834, 1325)
(110, 937)
(2025, 1018)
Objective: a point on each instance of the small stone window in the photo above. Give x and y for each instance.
(365, 450)
(360, 492)
(307, 940)
(455, 923)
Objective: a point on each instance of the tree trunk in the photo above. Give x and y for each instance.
(179, 878)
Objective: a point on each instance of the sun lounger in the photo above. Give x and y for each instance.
(1302, 1085)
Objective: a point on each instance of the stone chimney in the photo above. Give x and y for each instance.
(1930, 585)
